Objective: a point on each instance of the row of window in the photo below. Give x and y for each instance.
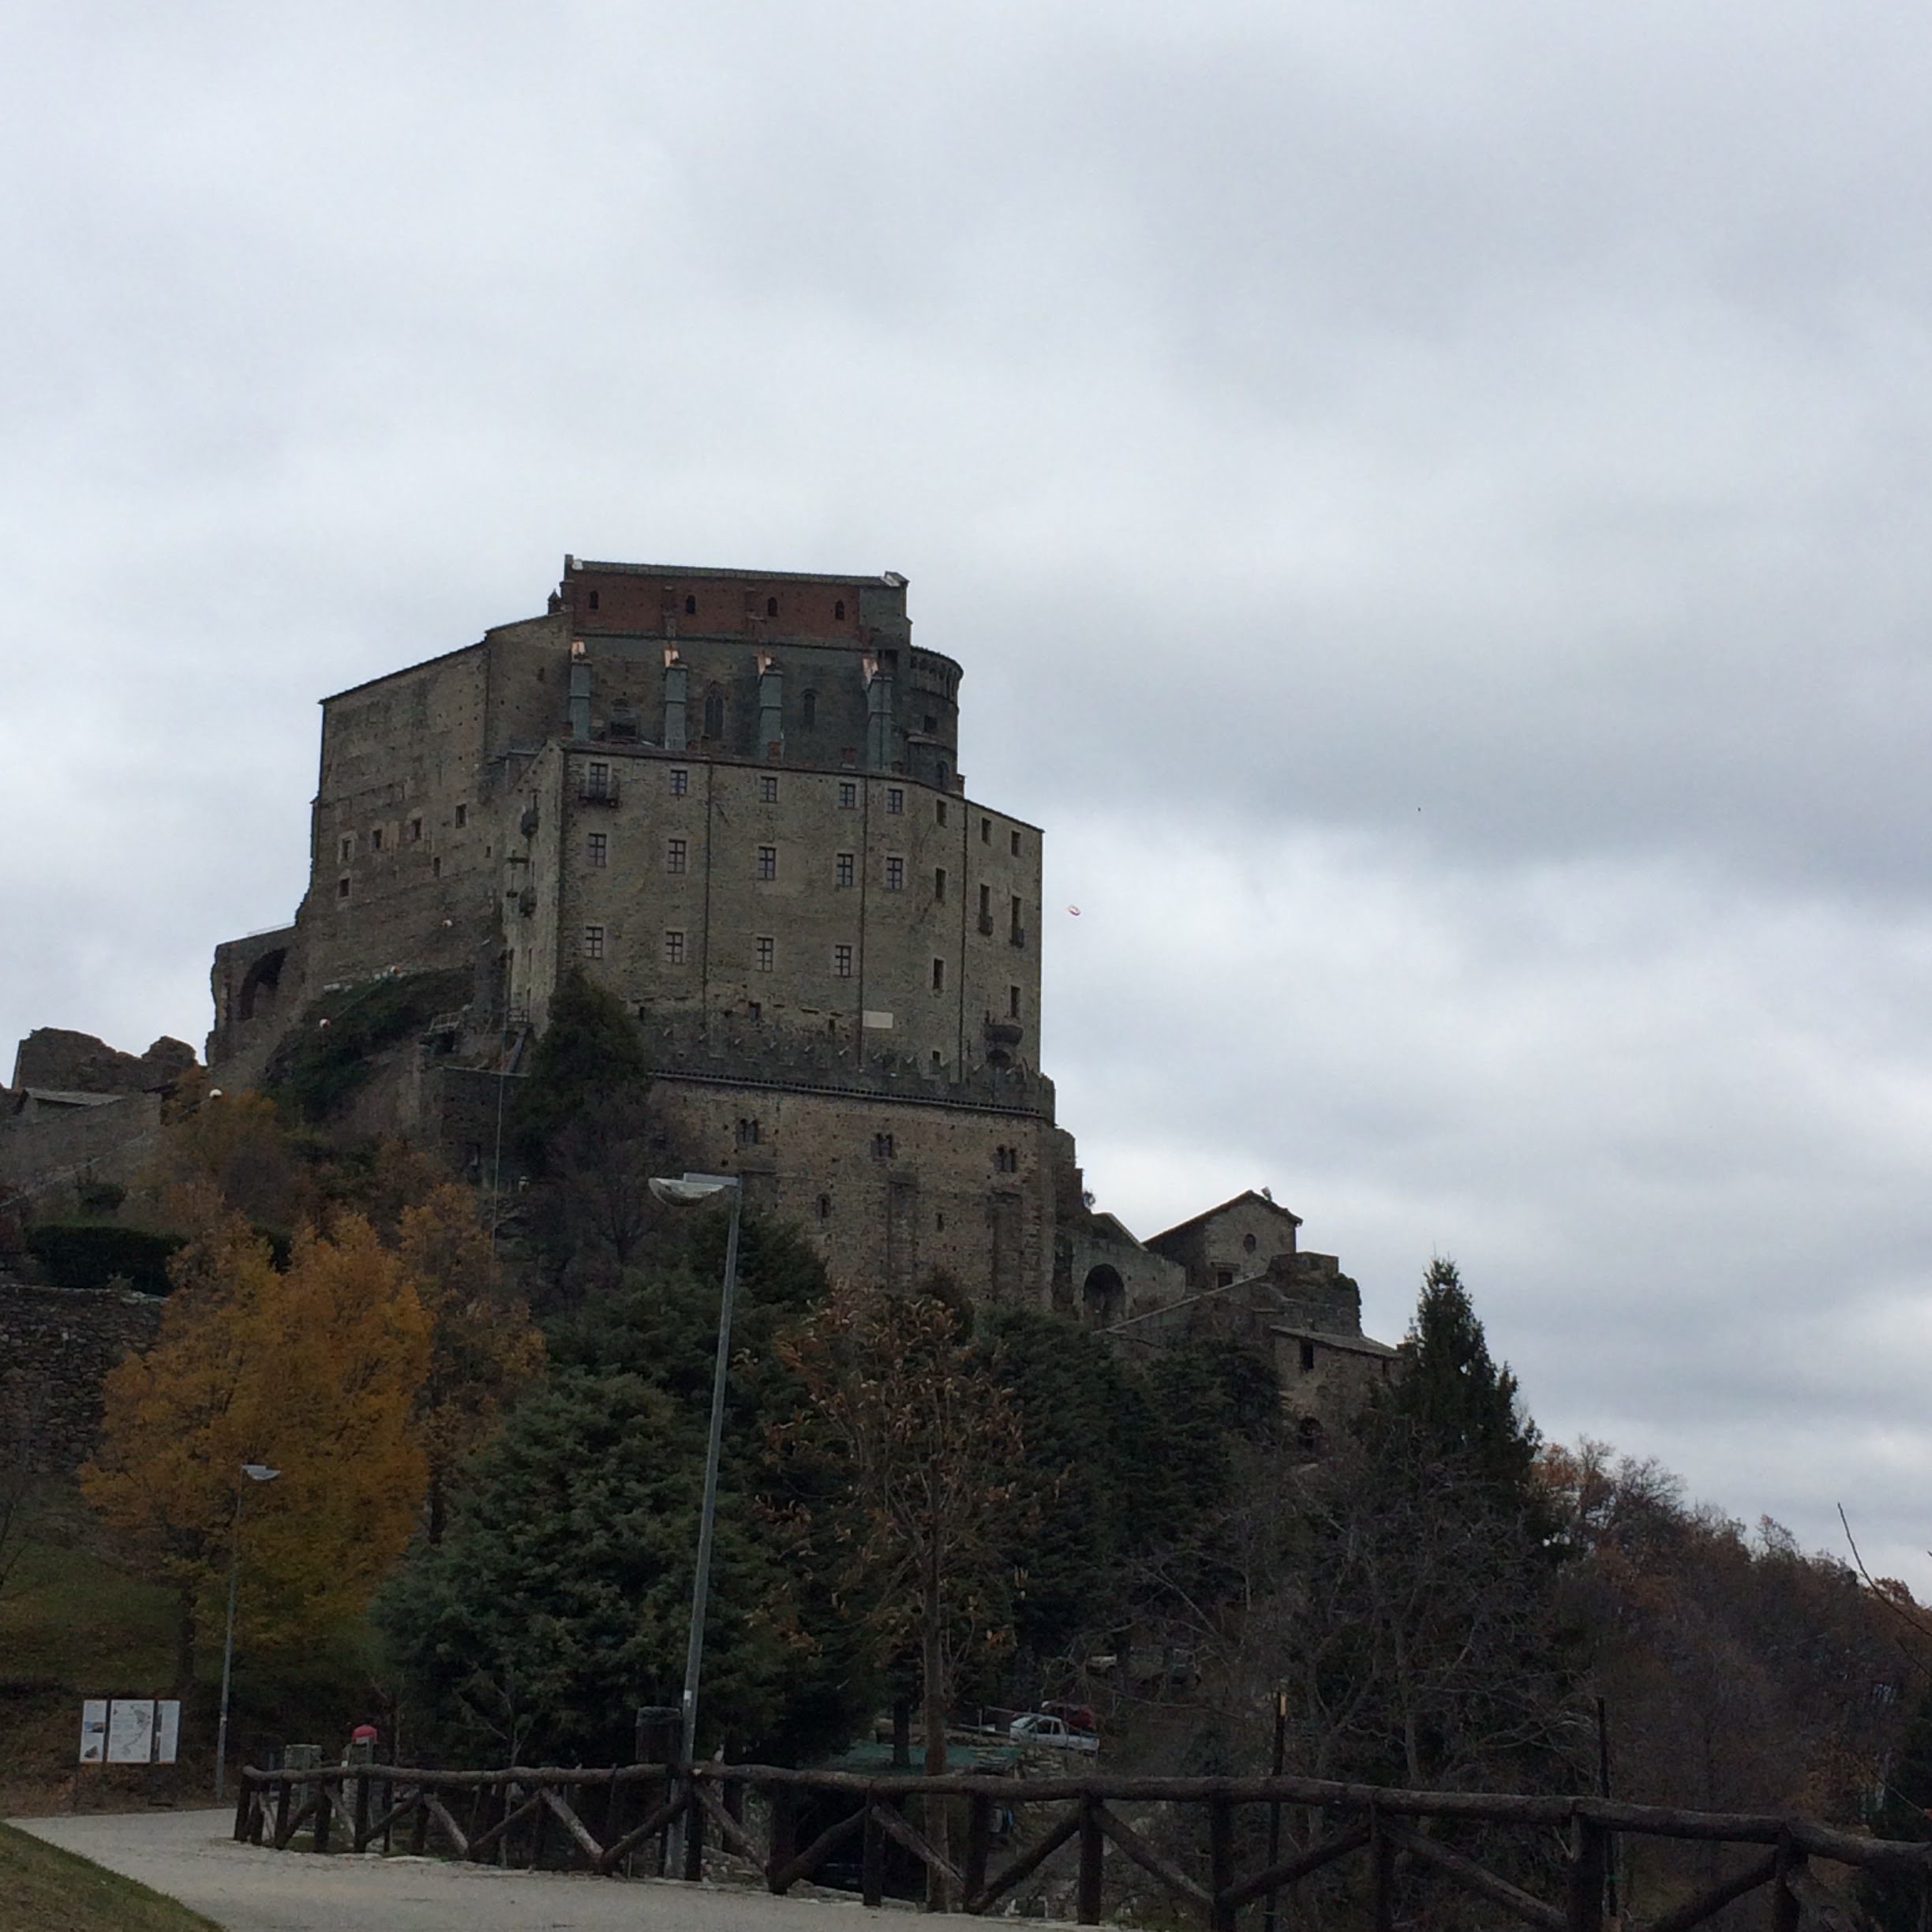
(374, 838)
(765, 957)
(599, 783)
(844, 876)
(690, 606)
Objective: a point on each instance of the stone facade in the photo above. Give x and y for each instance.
(56, 1347)
(733, 799)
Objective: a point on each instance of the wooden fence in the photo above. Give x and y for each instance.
(607, 1819)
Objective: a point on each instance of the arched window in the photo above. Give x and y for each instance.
(714, 712)
(771, 607)
(811, 707)
(838, 611)
(825, 1206)
(691, 607)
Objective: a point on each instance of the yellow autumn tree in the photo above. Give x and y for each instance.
(482, 1348)
(314, 1372)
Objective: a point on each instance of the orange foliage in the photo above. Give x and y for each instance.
(314, 1372)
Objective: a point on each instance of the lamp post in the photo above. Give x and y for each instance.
(693, 1190)
(255, 1472)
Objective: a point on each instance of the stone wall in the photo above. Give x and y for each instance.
(67, 1062)
(43, 1150)
(56, 1346)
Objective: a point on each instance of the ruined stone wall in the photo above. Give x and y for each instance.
(56, 1346)
(44, 1150)
(69, 1063)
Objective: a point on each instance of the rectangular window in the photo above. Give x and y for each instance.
(599, 785)
(599, 843)
(895, 875)
(986, 908)
(895, 799)
(348, 850)
(754, 1012)
(341, 889)
(765, 948)
(985, 831)
(938, 975)
(1016, 930)
(768, 790)
(1014, 837)
(881, 1147)
(674, 949)
(841, 962)
(436, 868)
(462, 814)
(842, 869)
(747, 1133)
(415, 830)
(674, 855)
(848, 795)
(768, 862)
(939, 882)
(593, 942)
(939, 811)
(1013, 1002)
(680, 781)
(376, 840)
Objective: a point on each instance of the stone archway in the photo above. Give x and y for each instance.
(1103, 1295)
(260, 983)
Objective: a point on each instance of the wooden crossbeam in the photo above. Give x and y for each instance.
(286, 1830)
(808, 1861)
(484, 1840)
(896, 1827)
(1023, 1868)
(572, 1824)
(654, 1822)
(1474, 1877)
(1289, 1870)
(730, 1831)
(434, 1807)
(1714, 1899)
(1149, 1860)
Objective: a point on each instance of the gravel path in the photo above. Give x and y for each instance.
(190, 1856)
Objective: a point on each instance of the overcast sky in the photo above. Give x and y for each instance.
(1431, 500)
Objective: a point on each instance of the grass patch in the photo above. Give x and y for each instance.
(54, 1891)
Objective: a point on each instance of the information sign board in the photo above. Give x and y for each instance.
(94, 1731)
(130, 1730)
(168, 1730)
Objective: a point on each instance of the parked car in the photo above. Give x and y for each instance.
(1040, 1727)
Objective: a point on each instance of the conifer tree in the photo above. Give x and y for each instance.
(589, 1054)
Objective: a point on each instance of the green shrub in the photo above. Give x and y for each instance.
(76, 1254)
(326, 1055)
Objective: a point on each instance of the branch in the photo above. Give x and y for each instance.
(1922, 1625)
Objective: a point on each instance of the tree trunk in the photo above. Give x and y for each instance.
(934, 1689)
(185, 1636)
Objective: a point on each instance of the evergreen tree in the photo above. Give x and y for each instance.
(589, 1054)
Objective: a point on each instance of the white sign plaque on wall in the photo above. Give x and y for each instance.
(131, 1731)
(168, 1730)
(94, 1731)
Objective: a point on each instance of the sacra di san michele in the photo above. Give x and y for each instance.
(733, 798)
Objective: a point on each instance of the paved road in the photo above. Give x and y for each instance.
(190, 1855)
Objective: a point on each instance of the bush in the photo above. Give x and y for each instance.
(87, 1255)
(326, 1055)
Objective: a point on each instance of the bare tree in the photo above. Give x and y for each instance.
(912, 1452)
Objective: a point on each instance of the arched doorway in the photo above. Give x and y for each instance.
(1103, 1295)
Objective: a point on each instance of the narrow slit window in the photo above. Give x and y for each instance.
(938, 975)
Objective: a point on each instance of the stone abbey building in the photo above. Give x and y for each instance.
(734, 798)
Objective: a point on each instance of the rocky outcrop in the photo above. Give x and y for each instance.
(60, 1061)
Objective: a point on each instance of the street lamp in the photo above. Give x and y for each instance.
(693, 1190)
(255, 1472)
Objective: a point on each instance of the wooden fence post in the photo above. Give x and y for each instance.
(285, 1798)
(358, 1840)
(872, 1881)
(1381, 1875)
(1220, 1861)
(244, 1794)
(1586, 1875)
(1092, 1849)
(325, 1807)
(693, 1822)
(419, 1823)
(978, 1844)
(783, 1804)
(1785, 1912)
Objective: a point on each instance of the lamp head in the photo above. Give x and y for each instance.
(260, 1472)
(692, 1190)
